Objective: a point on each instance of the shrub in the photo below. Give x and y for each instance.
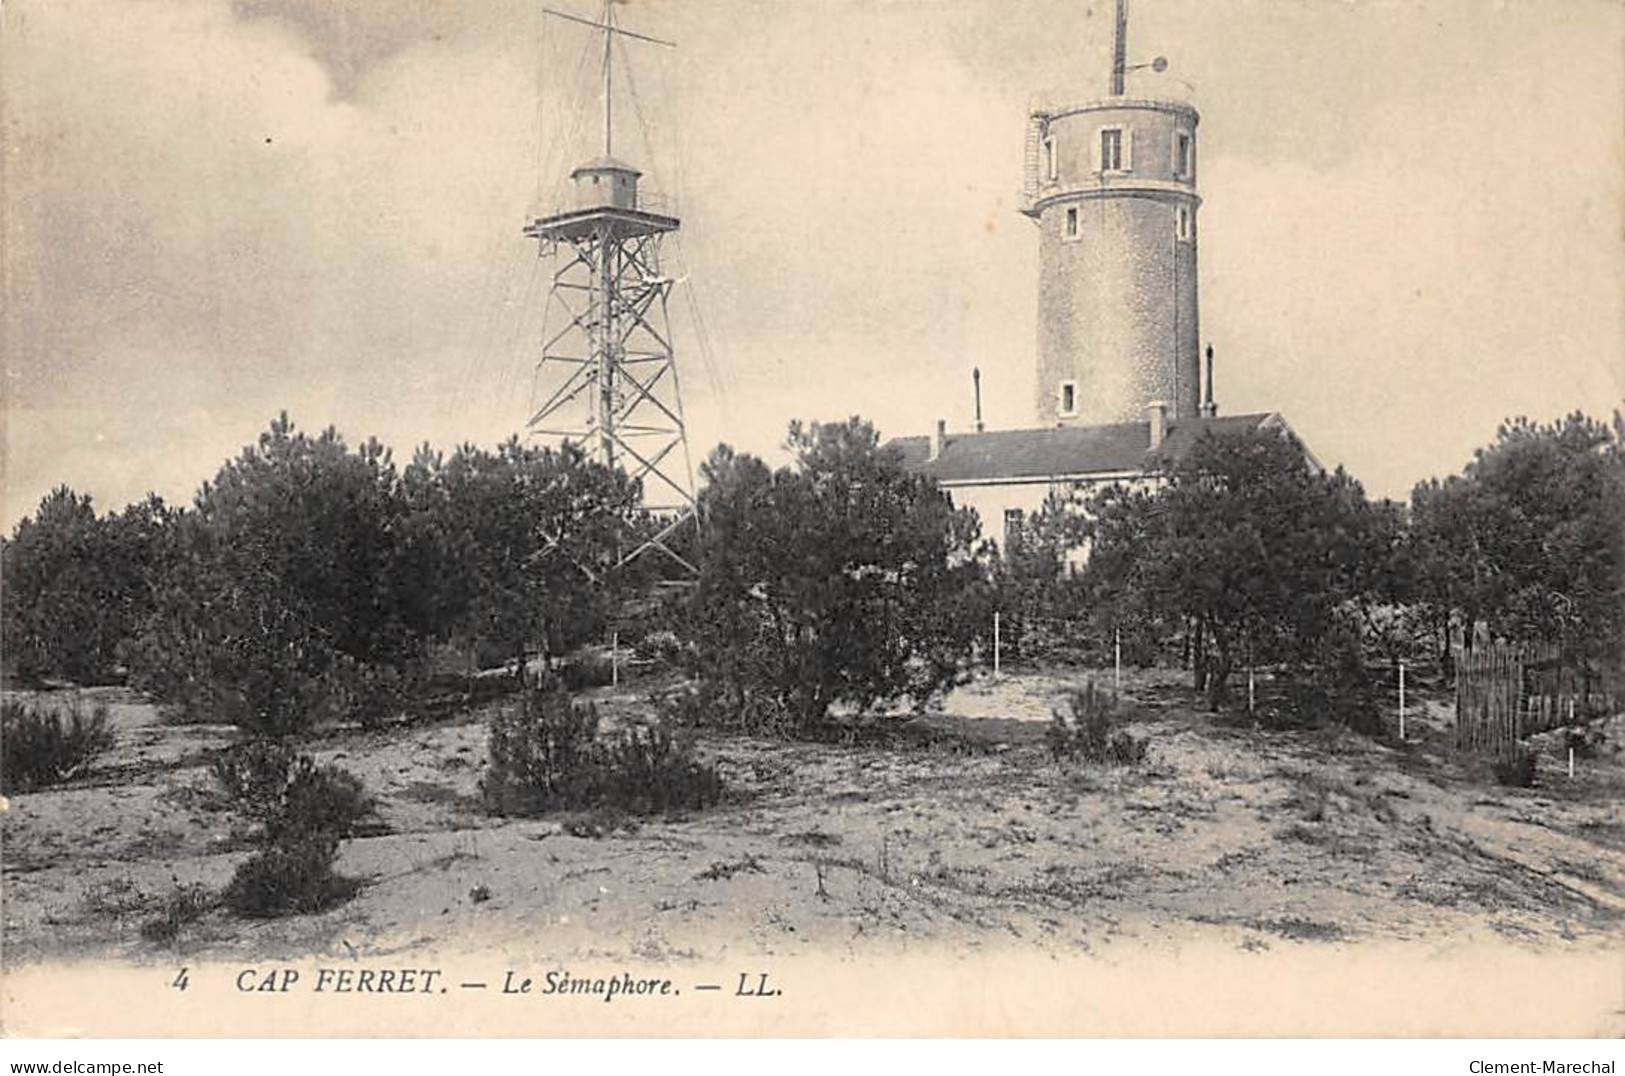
(653, 771)
(1087, 731)
(113, 898)
(186, 904)
(1516, 768)
(305, 811)
(1091, 734)
(37, 748)
(287, 792)
(1588, 740)
(661, 647)
(1126, 749)
(372, 694)
(319, 801)
(547, 755)
(540, 755)
(254, 775)
(588, 669)
(688, 706)
(256, 658)
(1338, 687)
(289, 879)
(596, 822)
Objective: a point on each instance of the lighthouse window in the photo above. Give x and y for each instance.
(1052, 169)
(1185, 224)
(1111, 149)
(1069, 397)
(1072, 222)
(1182, 154)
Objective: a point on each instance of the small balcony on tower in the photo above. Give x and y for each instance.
(605, 195)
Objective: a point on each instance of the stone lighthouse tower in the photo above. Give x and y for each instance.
(1111, 184)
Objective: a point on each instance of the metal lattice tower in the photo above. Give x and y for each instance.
(608, 376)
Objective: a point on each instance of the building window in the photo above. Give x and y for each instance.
(1071, 222)
(1182, 155)
(1185, 224)
(1114, 150)
(1052, 165)
(1013, 520)
(1069, 398)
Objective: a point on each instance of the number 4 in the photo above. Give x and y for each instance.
(180, 980)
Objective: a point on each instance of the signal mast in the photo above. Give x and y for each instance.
(608, 375)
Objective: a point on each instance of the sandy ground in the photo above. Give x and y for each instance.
(961, 835)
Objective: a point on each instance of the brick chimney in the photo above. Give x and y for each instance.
(938, 441)
(1158, 412)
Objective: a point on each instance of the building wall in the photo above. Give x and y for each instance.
(992, 500)
(1117, 303)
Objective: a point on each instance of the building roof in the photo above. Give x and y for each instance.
(605, 164)
(1052, 452)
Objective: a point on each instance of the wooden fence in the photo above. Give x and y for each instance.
(1506, 691)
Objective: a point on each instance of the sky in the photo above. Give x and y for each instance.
(215, 210)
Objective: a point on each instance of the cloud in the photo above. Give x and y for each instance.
(349, 38)
(200, 233)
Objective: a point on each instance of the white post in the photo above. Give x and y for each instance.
(1402, 700)
(1249, 672)
(614, 659)
(1571, 763)
(996, 642)
(1117, 660)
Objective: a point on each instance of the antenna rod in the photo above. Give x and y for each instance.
(976, 379)
(609, 36)
(1119, 48)
(611, 29)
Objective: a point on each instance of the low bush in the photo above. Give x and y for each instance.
(305, 811)
(597, 822)
(268, 781)
(38, 748)
(1090, 732)
(373, 694)
(1126, 749)
(1337, 687)
(1588, 740)
(255, 659)
(652, 771)
(1516, 768)
(661, 647)
(113, 898)
(319, 801)
(688, 707)
(186, 904)
(548, 755)
(540, 755)
(588, 669)
(294, 878)
(253, 774)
